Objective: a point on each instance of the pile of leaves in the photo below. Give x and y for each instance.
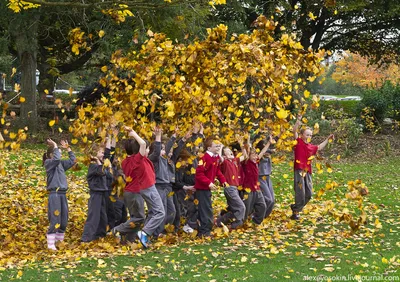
(23, 220)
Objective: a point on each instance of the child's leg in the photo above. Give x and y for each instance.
(156, 213)
(205, 212)
(308, 188)
(93, 217)
(135, 204)
(171, 210)
(178, 213)
(236, 206)
(248, 200)
(54, 212)
(299, 187)
(259, 207)
(63, 217)
(162, 191)
(192, 212)
(120, 212)
(269, 196)
(111, 215)
(102, 226)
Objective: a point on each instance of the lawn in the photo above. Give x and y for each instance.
(327, 243)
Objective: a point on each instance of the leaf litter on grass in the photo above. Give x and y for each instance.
(341, 213)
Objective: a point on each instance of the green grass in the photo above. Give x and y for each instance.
(318, 245)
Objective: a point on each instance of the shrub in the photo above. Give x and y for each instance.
(349, 106)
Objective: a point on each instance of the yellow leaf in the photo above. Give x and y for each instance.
(101, 33)
(52, 122)
(22, 99)
(56, 212)
(282, 114)
(57, 225)
(104, 69)
(307, 93)
(74, 141)
(196, 202)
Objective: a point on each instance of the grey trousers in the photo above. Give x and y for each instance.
(96, 222)
(156, 213)
(57, 212)
(302, 189)
(236, 208)
(255, 205)
(135, 204)
(169, 207)
(205, 212)
(268, 192)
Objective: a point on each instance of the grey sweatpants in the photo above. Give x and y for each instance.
(156, 213)
(302, 189)
(57, 212)
(96, 222)
(255, 204)
(169, 207)
(268, 192)
(205, 212)
(135, 204)
(236, 208)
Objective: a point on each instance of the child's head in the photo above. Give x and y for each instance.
(211, 145)
(253, 155)
(48, 154)
(98, 151)
(228, 153)
(306, 134)
(184, 157)
(131, 147)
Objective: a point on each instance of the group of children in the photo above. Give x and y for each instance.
(175, 183)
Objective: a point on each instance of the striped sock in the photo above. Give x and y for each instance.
(51, 239)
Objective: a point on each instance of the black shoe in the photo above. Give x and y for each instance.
(295, 216)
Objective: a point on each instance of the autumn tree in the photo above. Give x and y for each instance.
(24, 31)
(371, 28)
(356, 70)
(243, 83)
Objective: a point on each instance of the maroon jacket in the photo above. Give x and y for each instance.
(206, 171)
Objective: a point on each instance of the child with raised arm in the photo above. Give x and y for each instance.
(264, 174)
(57, 187)
(140, 177)
(230, 168)
(206, 172)
(303, 150)
(99, 173)
(254, 198)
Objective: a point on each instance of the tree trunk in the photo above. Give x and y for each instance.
(28, 113)
(23, 30)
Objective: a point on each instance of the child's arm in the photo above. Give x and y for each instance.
(171, 142)
(221, 147)
(142, 143)
(244, 156)
(266, 147)
(296, 127)
(67, 164)
(156, 154)
(181, 145)
(323, 144)
(50, 164)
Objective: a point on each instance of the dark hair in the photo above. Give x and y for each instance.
(208, 142)
(47, 155)
(131, 146)
(184, 155)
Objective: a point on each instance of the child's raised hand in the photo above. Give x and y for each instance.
(331, 137)
(64, 144)
(157, 131)
(272, 139)
(187, 135)
(51, 143)
(128, 128)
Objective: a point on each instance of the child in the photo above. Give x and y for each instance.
(206, 172)
(303, 150)
(255, 199)
(96, 222)
(140, 177)
(109, 154)
(57, 187)
(264, 175)
(230, 169)
(164, 166)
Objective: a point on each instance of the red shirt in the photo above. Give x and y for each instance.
(250, 171)
(206, 171)
(302, 153)
(139, 173)
(230, 169)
